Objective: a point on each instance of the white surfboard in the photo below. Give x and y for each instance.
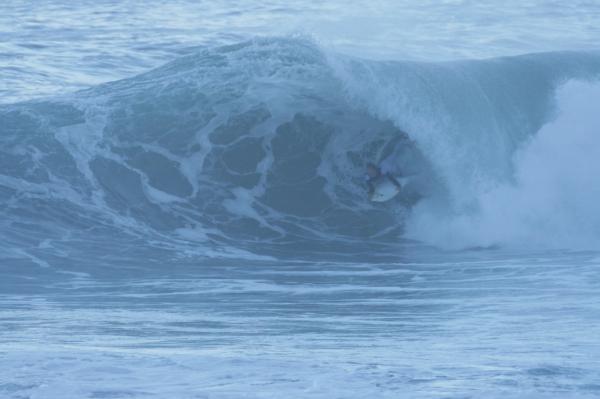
(384, 189)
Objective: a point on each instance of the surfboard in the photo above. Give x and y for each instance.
(384, 189)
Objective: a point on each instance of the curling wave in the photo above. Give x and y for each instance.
(264, 143)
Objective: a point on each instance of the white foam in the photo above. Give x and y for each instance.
(553, 199)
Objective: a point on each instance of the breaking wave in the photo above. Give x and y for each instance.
(264, 143)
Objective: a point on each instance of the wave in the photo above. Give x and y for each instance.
(264, 143)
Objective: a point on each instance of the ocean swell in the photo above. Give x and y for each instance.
(265, 142)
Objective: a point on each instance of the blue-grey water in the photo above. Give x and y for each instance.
(183, 208)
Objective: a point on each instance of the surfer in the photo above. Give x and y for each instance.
(375, 178)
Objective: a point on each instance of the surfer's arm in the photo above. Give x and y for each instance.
(393, 180)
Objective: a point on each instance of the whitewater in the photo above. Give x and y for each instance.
(183, 208)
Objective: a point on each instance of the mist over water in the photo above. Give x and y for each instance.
(551, 199)
(194, 221)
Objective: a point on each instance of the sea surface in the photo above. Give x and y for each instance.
(184, 214)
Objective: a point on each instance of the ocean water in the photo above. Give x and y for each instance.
(184, 213)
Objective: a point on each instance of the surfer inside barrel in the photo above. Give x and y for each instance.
(382, 186)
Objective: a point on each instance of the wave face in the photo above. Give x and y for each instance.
(264, 144)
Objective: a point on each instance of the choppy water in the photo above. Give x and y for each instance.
(200, 227)
(454, 326)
